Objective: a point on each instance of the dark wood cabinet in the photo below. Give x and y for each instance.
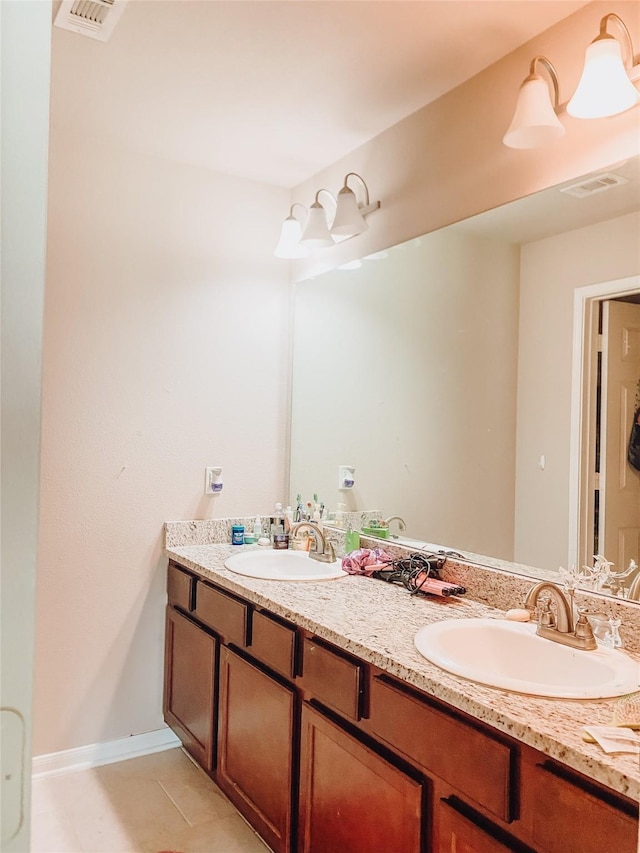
(351, 798)
(571, 816)
(255, 747)
(333, 678)
(465, 755)
(189, 685)
(458, 833)
(324, 753)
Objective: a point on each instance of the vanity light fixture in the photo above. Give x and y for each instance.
(316, 233)
(606, 87)
(289, 245)
(321, 230)
(350, 215)
(535, 121)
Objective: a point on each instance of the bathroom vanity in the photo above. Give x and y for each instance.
(309, 706)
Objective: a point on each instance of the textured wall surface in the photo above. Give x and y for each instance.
(165, 350)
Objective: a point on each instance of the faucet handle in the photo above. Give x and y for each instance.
(545, 614)
(584, 630)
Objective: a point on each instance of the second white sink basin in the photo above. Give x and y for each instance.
(511, 656)
(272, 564)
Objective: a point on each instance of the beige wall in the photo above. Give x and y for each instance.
(165, 350)
(417, 357)
(447, 162)
(166, 336)
(551, 270)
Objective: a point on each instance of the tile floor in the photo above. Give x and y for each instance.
(159, 802)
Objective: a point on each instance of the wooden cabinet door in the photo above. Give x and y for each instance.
(458, 834)
(255, 747)
(351, 799)
(189, 685)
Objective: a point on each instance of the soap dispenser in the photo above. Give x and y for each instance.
(277, 521)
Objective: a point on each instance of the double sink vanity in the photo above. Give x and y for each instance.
(310, 704)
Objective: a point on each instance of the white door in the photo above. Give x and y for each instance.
(25, 38)
(619, 517)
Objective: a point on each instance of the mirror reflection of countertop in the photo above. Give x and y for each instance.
(378, 621)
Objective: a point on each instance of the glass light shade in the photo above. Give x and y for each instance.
(316, 232)
(534, 122)
(348, 220)
(604, 88)
(289, 245)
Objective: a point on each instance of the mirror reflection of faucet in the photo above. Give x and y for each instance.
(402, 525)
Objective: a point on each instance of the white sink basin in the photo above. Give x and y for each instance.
(272, 564)
(511, 656)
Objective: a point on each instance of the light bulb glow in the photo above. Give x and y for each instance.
(604, 88)
(348, 221)
(534, 122)
(316, 232)
(289, 246)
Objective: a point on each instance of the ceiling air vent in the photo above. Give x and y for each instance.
(93, 18)
(594, 185)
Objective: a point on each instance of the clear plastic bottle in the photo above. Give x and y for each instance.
(277, 521)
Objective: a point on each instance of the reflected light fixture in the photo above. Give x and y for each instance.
(535, 122)
(316, 233)
(606, 87)
(289, 245)
(323, 230)
(349, 220)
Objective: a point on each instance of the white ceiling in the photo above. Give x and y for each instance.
(276, 90)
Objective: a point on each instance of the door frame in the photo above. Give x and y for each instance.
(582, 438)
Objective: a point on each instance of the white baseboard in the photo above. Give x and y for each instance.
(95, 754)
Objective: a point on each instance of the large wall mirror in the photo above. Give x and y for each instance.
(444, 371)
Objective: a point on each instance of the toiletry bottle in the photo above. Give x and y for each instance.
(257, 527)
(237, 534)
(277, 521)
(317, 517)
(288, 519)
(351, 539)
(281, 541)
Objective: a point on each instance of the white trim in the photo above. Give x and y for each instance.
(95, 754)
(581, 295)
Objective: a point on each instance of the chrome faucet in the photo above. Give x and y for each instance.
(322, 550)
(402, 525)
(559, 627)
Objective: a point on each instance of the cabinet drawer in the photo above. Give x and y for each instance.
(474, 762)
(223, 614)
(570, 818)
(273, 644)
(180, 588)
(334, 680)
(457, 831)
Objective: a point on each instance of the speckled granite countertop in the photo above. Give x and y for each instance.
(377, 622)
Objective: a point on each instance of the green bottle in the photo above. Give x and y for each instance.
(351, 539)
